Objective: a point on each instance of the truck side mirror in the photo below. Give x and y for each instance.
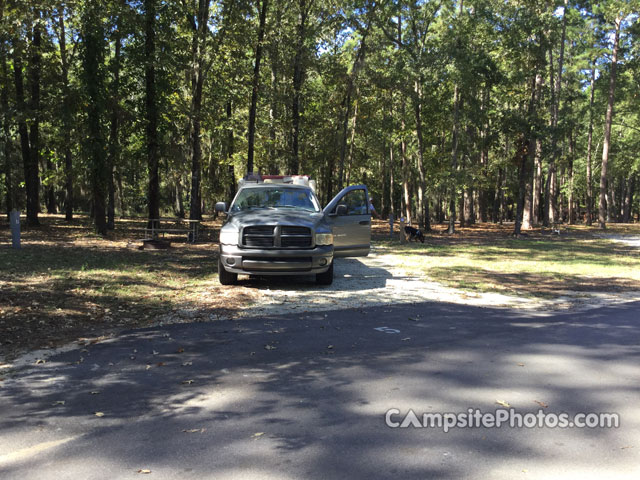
(341, 209)
(221, 207)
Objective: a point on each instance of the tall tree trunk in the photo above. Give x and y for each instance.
(50, 192)
(392, 209)
(405, 166)
(35, 68)
(571, 199)
(32, 189)
(497, 218)
(6, 132)
(607, 127)
(197, 83)
(589, 148)
(423, 217)
(357, 64)
(114, 127)
(274, 110)
(537, 183)
(94, 51)
(628, 199)
(298, 77)
(66, 117)
(153, 160)
(524, 174)
(484, 154)
(454, 160)
(551, 189)
(352, 140)
(255, 86)
(230, 148)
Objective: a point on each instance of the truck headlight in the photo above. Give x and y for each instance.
(324, 238)
(229, 237)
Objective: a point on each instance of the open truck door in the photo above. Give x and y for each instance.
(349, 215)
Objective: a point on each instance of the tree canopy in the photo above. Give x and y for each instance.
(461, 111)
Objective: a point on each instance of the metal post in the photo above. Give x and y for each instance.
(403, 237)
(15, 228)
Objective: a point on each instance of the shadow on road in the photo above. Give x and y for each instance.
(304, 396)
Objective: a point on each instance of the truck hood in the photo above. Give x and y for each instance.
(300, 218)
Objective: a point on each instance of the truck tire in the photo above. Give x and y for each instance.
(226, 278)
(325, 278)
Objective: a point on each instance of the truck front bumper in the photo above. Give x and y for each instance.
(276, 262)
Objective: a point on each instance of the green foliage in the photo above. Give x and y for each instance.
(490, 50)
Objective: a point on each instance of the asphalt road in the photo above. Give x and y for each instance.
(305, 396)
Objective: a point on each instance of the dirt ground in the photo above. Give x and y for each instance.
(69, 285)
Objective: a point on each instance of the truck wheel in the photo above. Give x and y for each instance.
(325, 278)
(226, 278)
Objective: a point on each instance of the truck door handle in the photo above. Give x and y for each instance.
(364, 222)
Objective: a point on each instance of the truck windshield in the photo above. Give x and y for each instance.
(276, 197)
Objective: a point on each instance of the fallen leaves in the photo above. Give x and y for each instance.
(503, 403)
(270, 347)
(99, 414)
(194, 430)
(144, 470)
(542, 404)
(187, 382)
(40, 361)
(59, 402)
(257, 434)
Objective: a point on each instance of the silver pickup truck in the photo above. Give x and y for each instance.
(280, 229)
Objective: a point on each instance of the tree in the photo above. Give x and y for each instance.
(602, 208)
(255, 86)
(93, 35)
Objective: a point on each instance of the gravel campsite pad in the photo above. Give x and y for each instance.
(66, 287)
(377, 280)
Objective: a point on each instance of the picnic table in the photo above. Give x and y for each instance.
(157, 226)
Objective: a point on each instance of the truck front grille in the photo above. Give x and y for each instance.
(272, 236)
(259, 236)
(295, 237)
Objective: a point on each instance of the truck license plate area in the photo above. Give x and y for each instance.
(277, 264)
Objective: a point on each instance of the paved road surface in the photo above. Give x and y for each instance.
(305, 396)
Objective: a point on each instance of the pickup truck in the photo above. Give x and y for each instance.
(275, 226)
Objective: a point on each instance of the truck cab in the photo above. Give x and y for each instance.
(275, 226)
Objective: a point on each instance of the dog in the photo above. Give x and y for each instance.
(411, 233)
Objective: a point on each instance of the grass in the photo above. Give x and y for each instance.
(540, 265)
(68, 284)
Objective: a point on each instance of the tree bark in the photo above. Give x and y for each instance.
(454, 160)
(484, 154)
(274, 110)
(255, 86)
(66, 117)
(628, 198)
(6, 132)
(571, 199)
(423, 207)
(94, 51)
(32, 203)
(153, 160)
(197, 83)
(589, 149)
(602, 208)
(35, 69)
(298, 78)
(357, 64)
(114, 127)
